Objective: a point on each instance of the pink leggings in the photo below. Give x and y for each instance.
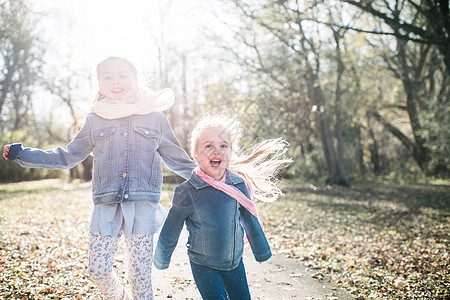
(140, 257)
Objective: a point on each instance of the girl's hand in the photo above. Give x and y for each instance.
(6, 151)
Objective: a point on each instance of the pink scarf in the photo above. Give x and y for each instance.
(233, 192)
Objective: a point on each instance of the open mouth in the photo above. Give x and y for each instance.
(215, 162)
(117, 91)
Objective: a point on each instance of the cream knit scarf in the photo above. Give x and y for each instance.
(135, 102)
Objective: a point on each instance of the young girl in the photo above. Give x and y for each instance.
(128, 137)
(215, 203)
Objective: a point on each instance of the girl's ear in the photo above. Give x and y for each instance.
(195, 155)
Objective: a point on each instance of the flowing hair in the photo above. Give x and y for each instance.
(260, 166)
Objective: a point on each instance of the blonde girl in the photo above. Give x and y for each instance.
(216, 205)
(128, 136)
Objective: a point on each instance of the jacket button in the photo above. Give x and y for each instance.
(125, 133)
(147, 132)
(102, 133)
(124, 174)
(125, 196)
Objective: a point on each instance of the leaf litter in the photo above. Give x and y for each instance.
(378, 242)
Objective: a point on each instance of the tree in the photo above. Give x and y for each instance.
(172, 61)
(416, 30)
(291, 60)
(64, 88)
(426, 22)
(20, 61)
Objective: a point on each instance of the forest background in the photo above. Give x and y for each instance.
(359, 89)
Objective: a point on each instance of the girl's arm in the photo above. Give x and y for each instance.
(173, 154)
(59, 158)
(168, 237)
(255, 234)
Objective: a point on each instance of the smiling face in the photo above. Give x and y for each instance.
(116, 77)
(213, 151)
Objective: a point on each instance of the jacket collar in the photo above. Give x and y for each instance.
(232, 179)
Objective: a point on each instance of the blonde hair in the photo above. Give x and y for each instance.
(133, 70)
(256, 167)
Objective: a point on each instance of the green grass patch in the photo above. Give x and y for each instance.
(34, 187)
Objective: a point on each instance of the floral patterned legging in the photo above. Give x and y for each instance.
(140, 257)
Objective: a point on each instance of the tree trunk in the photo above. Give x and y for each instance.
(360, 152)
(184, 138)
(410, 79)
(6, 83)
(419, 152)
(318, 99)
(338, 97)
(374, 152)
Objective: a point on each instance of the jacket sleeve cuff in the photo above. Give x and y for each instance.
(14, 151)
(263, 257)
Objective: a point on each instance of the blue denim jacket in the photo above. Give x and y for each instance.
(216, 224)
(127, 156)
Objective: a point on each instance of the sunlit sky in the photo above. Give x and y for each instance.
(81, 33)
(96, 29)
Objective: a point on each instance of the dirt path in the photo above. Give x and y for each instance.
(277, 279)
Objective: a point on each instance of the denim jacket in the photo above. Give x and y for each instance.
(216, 224)
(127, 156)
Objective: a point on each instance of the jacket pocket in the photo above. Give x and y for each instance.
(101, 134)
(146, 138)
(102, 138)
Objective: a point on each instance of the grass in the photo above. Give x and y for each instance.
(376, 241)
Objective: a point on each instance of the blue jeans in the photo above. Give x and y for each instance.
(218, 284)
